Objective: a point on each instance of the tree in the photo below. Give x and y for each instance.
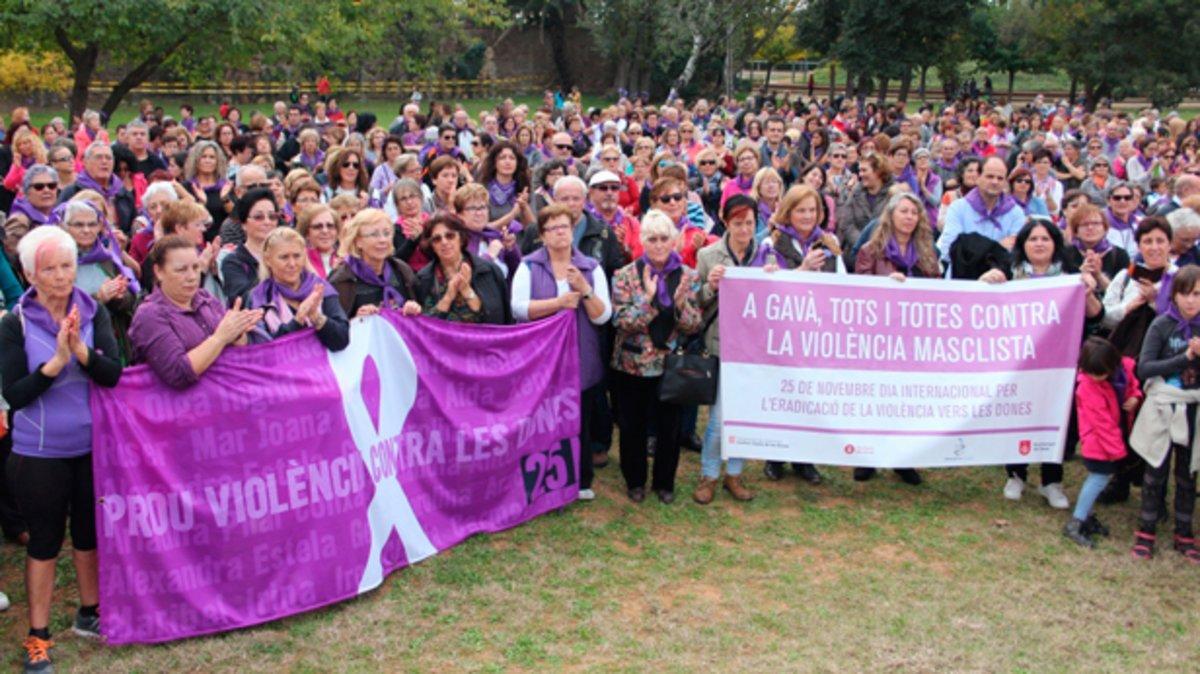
(133, 37)
(554, 17)
(778, 48)
(1004, 41)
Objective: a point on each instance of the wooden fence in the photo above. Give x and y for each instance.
(438, 88)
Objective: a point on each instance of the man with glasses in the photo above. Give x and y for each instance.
(249, 177)
(98, 175)
(563, 148)
(39, 194)
(604, 189)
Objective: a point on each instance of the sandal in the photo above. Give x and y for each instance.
(1143, 545)
(1186, 546)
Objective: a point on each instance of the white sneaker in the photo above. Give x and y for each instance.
(1014, 488)
(587, 495)
(1055, 496)
(4, 602)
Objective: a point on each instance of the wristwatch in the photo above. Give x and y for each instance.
(587, 295)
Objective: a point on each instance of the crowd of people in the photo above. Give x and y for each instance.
(166, 240)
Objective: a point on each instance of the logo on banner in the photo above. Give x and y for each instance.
(1025, 447)
(548, 471)
(849, 449)
(376, 408)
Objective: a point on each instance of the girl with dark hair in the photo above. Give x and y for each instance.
(505, 174)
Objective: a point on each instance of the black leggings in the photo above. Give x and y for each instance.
(48, 491)
(1154, 486)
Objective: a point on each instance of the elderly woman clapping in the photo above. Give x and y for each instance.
(70, 335)
(180, 329)
(293, 297)
(370, 278)
(654, 302)
(101, 272)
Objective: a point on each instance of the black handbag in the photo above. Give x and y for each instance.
(690, 373)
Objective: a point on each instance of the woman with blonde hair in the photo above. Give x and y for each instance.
(27, 150)
(370, 278)
(292, 295)
(767, 189)
(320, 227)
(902, 244)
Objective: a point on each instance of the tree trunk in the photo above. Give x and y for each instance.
(727, 73)
(557, 30)
(1074, 90)
(767, 81)
(883, 90)
(832, 80)
(921, 89)
(84, 62)
(1012, 77)
(905, 87)
(139, 74)
(689, 68)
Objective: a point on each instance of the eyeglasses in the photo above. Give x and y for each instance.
(610, 159)
(37, 187)
(351, 164)
(708, 162)
(448, 237)
(61, 159)
(556, 228)
(260, 217)
(476, 208)
(374, 234)
(837, 156)
(1121, 197)
(674, 196)
(1022, 181)
(318, 226)
(257, 186)
(607, 187)
(564, 147)
(94, 224)
(448, 137)
(1097, 167)
(1091, 223)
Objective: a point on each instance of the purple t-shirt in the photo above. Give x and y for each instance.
(163, 333)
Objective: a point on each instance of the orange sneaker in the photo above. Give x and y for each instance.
(37, 655)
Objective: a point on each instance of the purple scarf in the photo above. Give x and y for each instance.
(310, 162)
(765, 211)
(1116, 223)
(365, 274)
(744, 184)
(500, 194)
(1100, 248)
(106, 249)
(950, 168)
(87, 182)
(618, 217)
(903, 260)
(804, 242)
(1003, 205)
(1187, 327)
(270, 290)
(220, 184)
(1144, 161)
(660, 276)
(35, 312)
(21, 205)
(1120, 382)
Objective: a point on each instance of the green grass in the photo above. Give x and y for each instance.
(842, 577)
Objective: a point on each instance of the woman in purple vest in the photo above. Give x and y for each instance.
(53, 346)
(557, 277)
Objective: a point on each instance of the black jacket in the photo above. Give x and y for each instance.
(126, 209)
(487, 282)
(599, 243)
(354, 294)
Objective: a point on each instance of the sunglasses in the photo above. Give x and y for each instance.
(351, 164)
(564, 147)
(318, 226)
(608, 188)
(37, 187)
(708, 162)
(837, 156)
(259, 217)
(610, 159)
(448, 237)
(674, 196)
(1022, 181)
(1121, 197)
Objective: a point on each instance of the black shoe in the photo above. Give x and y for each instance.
(691, 443)
(665, 497)
(773, 470)
(636, 494)
(863, 474)
(1093, 527)
(909, 476)
(1074, 531)
(1117, 491)
(807, 472)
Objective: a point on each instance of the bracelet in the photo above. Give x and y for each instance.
(470, 297)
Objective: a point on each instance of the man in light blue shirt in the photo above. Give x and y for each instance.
(986, 210)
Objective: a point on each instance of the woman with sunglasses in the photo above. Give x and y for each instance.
(1100, 179)
(39, 194)
(320, 226)
(458, 285)
(708, 182)
(345, 174)
(62, 160)
(718, 141)
(1122, 216)
(746, 158)
(1020, 186)
(239, 270)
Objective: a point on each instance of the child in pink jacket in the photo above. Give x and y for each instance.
(1106, 396)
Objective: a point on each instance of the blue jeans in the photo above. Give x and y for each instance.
(1093, 484)
(710, 453)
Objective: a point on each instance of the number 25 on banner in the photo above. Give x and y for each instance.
(548, 471)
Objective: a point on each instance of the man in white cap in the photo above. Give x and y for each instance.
(604, 189)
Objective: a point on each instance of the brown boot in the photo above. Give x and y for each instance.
(733, 485)
(705, 491)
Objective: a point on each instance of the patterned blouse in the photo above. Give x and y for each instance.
(633, 351)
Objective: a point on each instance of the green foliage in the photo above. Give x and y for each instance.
(1004, 40)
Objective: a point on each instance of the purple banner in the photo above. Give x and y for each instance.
(291, 478)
